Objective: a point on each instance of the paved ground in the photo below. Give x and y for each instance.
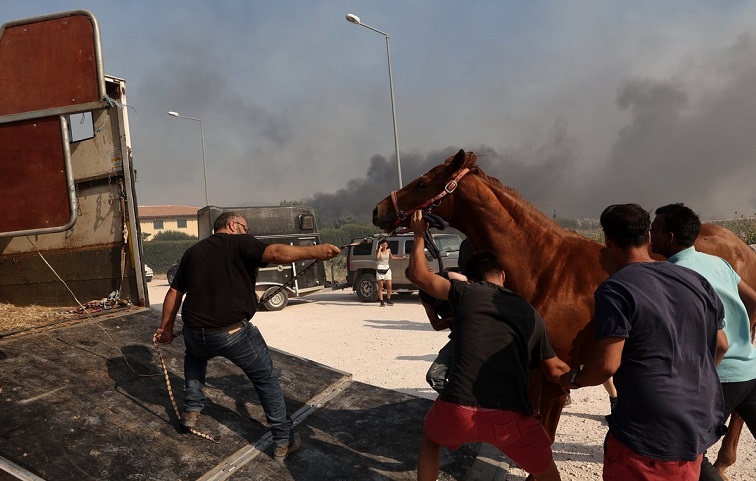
(392, 347)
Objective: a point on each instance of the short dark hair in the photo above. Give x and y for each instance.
(481, 264)
(223, 220)
(682, 222)
(465, 251)
(627, 225)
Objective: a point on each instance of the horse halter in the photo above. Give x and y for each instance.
(402, 215)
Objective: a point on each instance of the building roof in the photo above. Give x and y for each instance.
(167, 211)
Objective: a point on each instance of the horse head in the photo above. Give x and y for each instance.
(425, 193)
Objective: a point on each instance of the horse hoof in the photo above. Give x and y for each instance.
(721, 471)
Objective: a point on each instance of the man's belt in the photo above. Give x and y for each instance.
(230, 329)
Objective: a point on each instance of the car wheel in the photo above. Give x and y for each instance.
(277, 302)
(367, 288)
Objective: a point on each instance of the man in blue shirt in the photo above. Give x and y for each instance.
(673, 233)
(658, 332)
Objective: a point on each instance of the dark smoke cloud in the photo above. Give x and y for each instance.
(686, 139)
(539, 171)
(687, 143)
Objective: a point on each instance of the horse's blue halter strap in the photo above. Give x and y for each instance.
(402, 215)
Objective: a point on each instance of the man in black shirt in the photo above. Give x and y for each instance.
(498, 337)
(218, 276)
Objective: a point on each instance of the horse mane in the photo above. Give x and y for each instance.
(526, 207)
(475, 169)
(494, 182)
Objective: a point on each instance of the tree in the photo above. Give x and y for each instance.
(346, 220)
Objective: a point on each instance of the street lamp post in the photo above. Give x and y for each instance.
(202, 136)
(356, 20)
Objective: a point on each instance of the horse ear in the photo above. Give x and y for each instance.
(458, 160)
(463, 159)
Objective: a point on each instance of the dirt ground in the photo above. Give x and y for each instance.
(393, 347)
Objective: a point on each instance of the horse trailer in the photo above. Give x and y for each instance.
(293, 225)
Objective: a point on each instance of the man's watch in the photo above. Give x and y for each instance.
(572, 379)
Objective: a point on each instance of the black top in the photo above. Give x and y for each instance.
(443, 308)
(218, 275)
(498, 337)
(670, 404)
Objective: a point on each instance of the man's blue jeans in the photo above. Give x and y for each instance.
(247, 349)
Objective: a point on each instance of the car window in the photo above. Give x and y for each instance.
(363, 249)
(394, 246)
(408, 246)
(448, 243)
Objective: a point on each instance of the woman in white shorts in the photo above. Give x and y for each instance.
(383, 270)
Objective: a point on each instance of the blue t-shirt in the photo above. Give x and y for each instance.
(739, 363)
(670, 399)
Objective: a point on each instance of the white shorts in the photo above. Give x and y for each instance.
(383, 277)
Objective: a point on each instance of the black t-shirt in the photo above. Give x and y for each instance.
(670, 398)
(443, 308)
(498, 337)
(218, 276)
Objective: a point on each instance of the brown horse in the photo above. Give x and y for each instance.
(556, 270)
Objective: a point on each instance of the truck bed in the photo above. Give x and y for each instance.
(89, 402)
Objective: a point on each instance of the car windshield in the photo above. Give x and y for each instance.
(448, 243)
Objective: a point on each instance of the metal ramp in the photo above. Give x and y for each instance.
(72, 408)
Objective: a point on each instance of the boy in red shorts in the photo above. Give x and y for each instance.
(498, 337)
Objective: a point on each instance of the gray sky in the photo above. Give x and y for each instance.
(577, 104)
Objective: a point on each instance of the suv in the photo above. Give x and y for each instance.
(361, 262)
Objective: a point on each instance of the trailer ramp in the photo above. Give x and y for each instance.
(89, 402)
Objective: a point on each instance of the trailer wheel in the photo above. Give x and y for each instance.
(277, 302)
(367, 288)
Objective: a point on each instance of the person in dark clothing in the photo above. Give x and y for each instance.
(218, 276)
(498, 337)
(440, 315)
(658, 329)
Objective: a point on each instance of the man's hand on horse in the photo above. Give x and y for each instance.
(418, 225)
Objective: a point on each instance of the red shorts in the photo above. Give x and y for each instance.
(622, 463)
(521, 437)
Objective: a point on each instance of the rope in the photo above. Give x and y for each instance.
(170, 391)
(114, 103)
(287, 283)
(291, 281)
(107, 303)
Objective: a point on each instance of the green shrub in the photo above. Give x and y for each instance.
(345, 233)
(173, 235)
(743, 228)
(160, 255)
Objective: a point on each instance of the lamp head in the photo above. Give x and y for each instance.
(353, 18)
(174, 114)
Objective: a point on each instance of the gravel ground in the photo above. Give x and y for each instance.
(393, 347)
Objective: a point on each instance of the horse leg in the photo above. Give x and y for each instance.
(552, 401)
(729, 450)
(549, 398)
